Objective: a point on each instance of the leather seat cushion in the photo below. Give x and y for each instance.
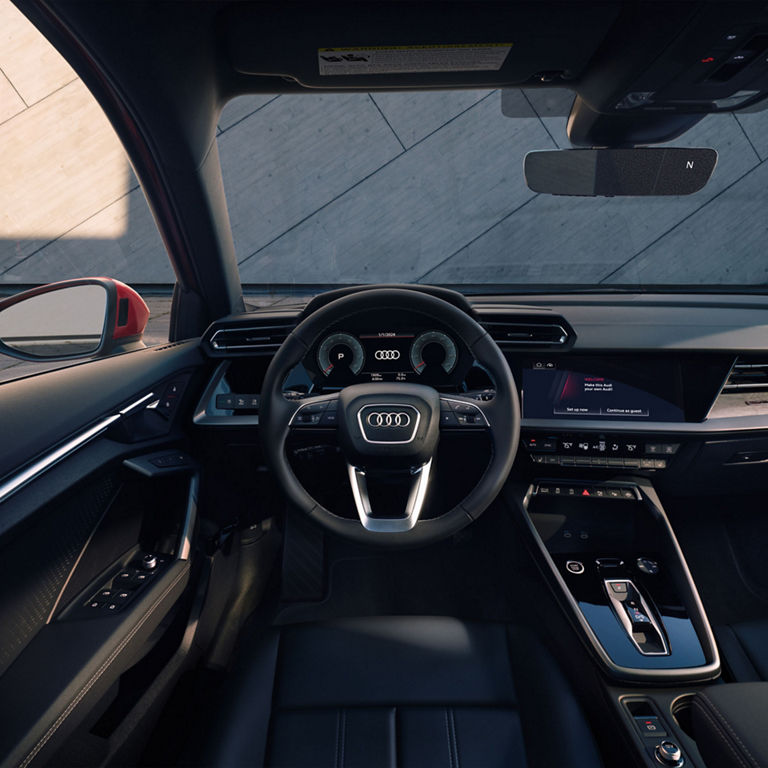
(405, 691)
(729, 724)
(744, 648)
(382, 737)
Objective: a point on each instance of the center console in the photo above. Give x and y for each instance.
(621, 574)
(608, 551)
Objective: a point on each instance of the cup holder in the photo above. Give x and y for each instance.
(681, 712)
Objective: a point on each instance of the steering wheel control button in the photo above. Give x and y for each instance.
(467, 415)
(330, 418)
(650, 726)
(576, 567)
(647, 566)
(669, 753)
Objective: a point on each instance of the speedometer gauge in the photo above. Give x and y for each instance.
(338, 351)
(433, 349)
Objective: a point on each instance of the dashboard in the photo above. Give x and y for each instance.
(634, 382)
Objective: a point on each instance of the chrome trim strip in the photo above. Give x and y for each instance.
(512, 342)
(722, 387)
(37, 468)
(357, 480)
(185, 542)
(137, 405)
(263, 345)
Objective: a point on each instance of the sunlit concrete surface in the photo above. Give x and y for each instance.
(346, 188)
(70, 205)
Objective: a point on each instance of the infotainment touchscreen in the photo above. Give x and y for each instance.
(595, 389)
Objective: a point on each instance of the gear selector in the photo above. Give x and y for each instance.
(636, 617)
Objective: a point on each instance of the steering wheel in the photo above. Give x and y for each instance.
(390, 429)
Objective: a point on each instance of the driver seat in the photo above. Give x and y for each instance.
(399, 691)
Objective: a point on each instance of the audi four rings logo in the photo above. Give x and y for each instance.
(387, 354)
(400, 419)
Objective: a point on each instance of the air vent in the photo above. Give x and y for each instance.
(748, 375)
(264, 339)
(514, 333)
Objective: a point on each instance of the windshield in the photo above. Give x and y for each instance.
(428, 187)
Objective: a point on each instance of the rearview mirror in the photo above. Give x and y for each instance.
(72, 319)
(620, 172)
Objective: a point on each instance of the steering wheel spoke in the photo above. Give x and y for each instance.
(320, 411)
(418, 477)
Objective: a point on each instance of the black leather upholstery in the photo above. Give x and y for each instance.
(405, 691)
(729, 722)
(744, 650)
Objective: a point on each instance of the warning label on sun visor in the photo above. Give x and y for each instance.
(392, 59)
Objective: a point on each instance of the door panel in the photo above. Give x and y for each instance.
(79, 525)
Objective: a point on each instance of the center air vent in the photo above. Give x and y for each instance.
(258, 339)
(519, 332)
(748, 374)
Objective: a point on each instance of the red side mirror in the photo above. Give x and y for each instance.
(87, 317)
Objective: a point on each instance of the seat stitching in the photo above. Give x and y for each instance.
(722, 717)
(455, 741)
(448, 737)
(722, 733)
(45, 738)
(338, 729)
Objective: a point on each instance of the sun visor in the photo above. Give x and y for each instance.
(366, 46)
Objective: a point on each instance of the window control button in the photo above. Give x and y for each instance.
(104, 594)
(122, 596)
(93, 604)
(650, 726)
(111, 606)
(124, 577)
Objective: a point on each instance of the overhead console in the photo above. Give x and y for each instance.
(654, 62)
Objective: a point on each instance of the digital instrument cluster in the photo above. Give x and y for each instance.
(387, 356)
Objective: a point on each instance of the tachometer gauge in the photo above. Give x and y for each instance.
(339, 351)
(433, 349)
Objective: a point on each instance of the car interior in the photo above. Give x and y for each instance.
(395, 523)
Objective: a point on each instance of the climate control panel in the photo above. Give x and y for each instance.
(604, 450)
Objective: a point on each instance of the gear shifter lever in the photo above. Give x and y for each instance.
(636, 617)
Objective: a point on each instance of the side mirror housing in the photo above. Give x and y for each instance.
(87, 317)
